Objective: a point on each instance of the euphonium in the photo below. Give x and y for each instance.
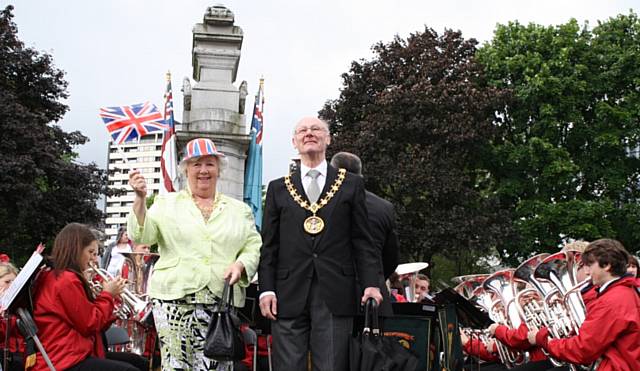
(529, 300)
(466, 284)
(131, 306)
(563, 303)
(503, 310)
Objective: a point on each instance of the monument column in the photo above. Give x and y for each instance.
(215, 106)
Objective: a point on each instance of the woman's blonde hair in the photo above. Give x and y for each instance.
(7, 268)
(579, 245)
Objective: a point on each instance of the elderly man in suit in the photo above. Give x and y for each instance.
(382, 220)
(316, 238)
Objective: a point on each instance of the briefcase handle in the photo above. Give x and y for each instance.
(371, 322)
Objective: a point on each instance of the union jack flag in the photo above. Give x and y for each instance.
(128, 123)
(256, 122)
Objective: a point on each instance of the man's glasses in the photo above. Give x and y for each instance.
(312, 129)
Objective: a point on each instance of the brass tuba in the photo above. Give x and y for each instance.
(503, 311)
(468, 283)
(563, 302)
(529, 301)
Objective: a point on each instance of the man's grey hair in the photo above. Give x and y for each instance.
(324, 122)
(347, 161)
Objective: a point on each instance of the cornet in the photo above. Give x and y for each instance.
(132, 305)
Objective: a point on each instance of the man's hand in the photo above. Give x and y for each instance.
(372, 292)
(269, 306)
(531, 336)
(234, 272)
(492, 328)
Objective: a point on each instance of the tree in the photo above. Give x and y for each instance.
(419, 114)
(42, 188)
(563, 162)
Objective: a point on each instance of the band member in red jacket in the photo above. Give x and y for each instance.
(517, 339)
(67, 315)
(610, 333)
(475, 347)
(14, 347)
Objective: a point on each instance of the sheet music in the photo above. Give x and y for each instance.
(23, 277)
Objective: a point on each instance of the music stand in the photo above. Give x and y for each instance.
(18, 296)
(468, 314)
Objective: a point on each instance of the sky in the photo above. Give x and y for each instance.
(116, 52)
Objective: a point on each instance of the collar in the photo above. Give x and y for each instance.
(607, 284)
(322, 168)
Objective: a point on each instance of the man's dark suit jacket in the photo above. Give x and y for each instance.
(290, 257)
(382, 220)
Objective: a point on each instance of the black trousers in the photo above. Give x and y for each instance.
(14, 361)
(138, 361)
(316, 330)
(99, 364)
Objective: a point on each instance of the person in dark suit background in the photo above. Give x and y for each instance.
(382, 220)
(316, 238)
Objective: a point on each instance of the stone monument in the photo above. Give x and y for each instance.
(214, 106)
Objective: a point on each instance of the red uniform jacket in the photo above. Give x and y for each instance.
(517, 339)
(611, 331)
(68, 322)
(476, 348)
(589, 294)
(16, 340)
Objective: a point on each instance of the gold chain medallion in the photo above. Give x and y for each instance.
(314, 224)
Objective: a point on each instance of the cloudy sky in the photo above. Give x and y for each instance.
(116, 52)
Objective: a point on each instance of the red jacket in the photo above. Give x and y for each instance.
(517, 339)
(611, 331)
(589, 294)
(68, 322)
(16, 340)
(476, 348)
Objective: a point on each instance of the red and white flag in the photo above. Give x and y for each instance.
(168, 159)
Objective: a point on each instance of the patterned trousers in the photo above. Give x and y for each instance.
(182, 330)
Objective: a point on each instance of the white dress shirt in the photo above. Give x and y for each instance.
(306, 179)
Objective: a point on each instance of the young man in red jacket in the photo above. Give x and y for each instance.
(610, 333)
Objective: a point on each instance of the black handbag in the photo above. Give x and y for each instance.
(224, 340)
(372, 351)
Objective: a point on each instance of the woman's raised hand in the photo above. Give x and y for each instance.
(138, 183)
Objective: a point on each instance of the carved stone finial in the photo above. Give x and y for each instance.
(219, 14)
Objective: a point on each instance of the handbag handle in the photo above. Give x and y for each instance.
(371, 323)
(226, 302)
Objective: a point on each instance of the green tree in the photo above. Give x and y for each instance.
(41, 186)
(563, 163)
(419, 114)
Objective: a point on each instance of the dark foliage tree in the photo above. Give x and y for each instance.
(419, 114)
(41, 186)
(567, 162)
